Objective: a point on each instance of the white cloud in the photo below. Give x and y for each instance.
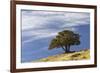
(32, 22)
(40, 13)
(39, 36)
(44, 24)
(41, 19)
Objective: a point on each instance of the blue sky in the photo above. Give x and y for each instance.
(39, 27)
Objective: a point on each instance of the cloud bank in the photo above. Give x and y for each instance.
(45, 24)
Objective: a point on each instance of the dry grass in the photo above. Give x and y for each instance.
(85, 54)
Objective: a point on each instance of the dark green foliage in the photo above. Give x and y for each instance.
(65, 39)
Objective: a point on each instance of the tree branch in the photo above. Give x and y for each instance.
(62, 46)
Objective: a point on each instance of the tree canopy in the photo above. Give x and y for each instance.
(65, 39)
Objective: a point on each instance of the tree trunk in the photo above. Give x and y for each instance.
(67, 48)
